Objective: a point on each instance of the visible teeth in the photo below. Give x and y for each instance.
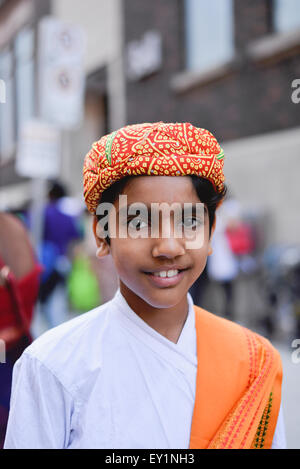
(165, 273)
(172, 273)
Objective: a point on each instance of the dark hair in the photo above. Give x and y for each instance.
(204, 188)
(56, 190)
(208, 195)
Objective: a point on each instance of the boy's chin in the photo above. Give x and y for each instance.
(165, 297)
(156, 297)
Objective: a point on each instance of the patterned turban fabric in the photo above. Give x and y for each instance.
(159, 149)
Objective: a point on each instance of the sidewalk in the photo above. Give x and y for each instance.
(290, 395)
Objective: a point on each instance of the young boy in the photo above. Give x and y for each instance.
(148, 369)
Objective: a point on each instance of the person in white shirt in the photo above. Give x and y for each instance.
(131, 373)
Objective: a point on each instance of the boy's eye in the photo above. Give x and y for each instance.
(137, 224)
(192, 222)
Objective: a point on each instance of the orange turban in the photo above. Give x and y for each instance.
(158, 149)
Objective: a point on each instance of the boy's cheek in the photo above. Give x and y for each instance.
(125, 253)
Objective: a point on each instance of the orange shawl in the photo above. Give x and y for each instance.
(238, 387)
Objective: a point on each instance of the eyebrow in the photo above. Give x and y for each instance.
(148, 206)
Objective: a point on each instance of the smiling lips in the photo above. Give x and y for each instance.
(166, 273)
(166, 278)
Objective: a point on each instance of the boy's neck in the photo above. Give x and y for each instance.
(168, 322)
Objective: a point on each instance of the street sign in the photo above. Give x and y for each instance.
(38, 152)
(61, 49)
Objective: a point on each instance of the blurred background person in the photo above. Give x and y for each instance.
(19, 283)
(61, 229)
(222, 265)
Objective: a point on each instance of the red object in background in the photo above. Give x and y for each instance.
(17, 299)
(241, 239)
(18, 295)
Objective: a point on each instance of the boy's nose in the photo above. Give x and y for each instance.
(168, 247)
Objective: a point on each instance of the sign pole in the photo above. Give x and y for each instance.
(39, 188)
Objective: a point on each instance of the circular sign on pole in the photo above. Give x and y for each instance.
(61, 72)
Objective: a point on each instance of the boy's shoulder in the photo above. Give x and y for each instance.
(231, 336)
(69, 349)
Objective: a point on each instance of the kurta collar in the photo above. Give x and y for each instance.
(184, 350)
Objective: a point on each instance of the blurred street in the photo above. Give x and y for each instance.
(290, 395)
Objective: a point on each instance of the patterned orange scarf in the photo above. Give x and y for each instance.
(238, 388)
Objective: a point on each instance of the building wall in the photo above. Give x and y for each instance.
(250, 97)
(101, 23)
(263, 173)
(99, 20)
(250, 101)
(253, 20)
(151, 99)
(14, 16)
(247, 104)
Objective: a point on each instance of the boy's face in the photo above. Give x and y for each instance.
(136, 260)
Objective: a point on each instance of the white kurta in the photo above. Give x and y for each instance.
(107, 380)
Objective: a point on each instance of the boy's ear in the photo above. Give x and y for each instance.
(103, 247)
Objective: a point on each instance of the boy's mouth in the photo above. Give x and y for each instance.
(167, 277)
(166, 273)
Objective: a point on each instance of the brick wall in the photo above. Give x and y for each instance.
(252, 99)
(253, 20)
(151, 98)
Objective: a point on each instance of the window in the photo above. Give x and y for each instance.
(286, 15)
(209, 33)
